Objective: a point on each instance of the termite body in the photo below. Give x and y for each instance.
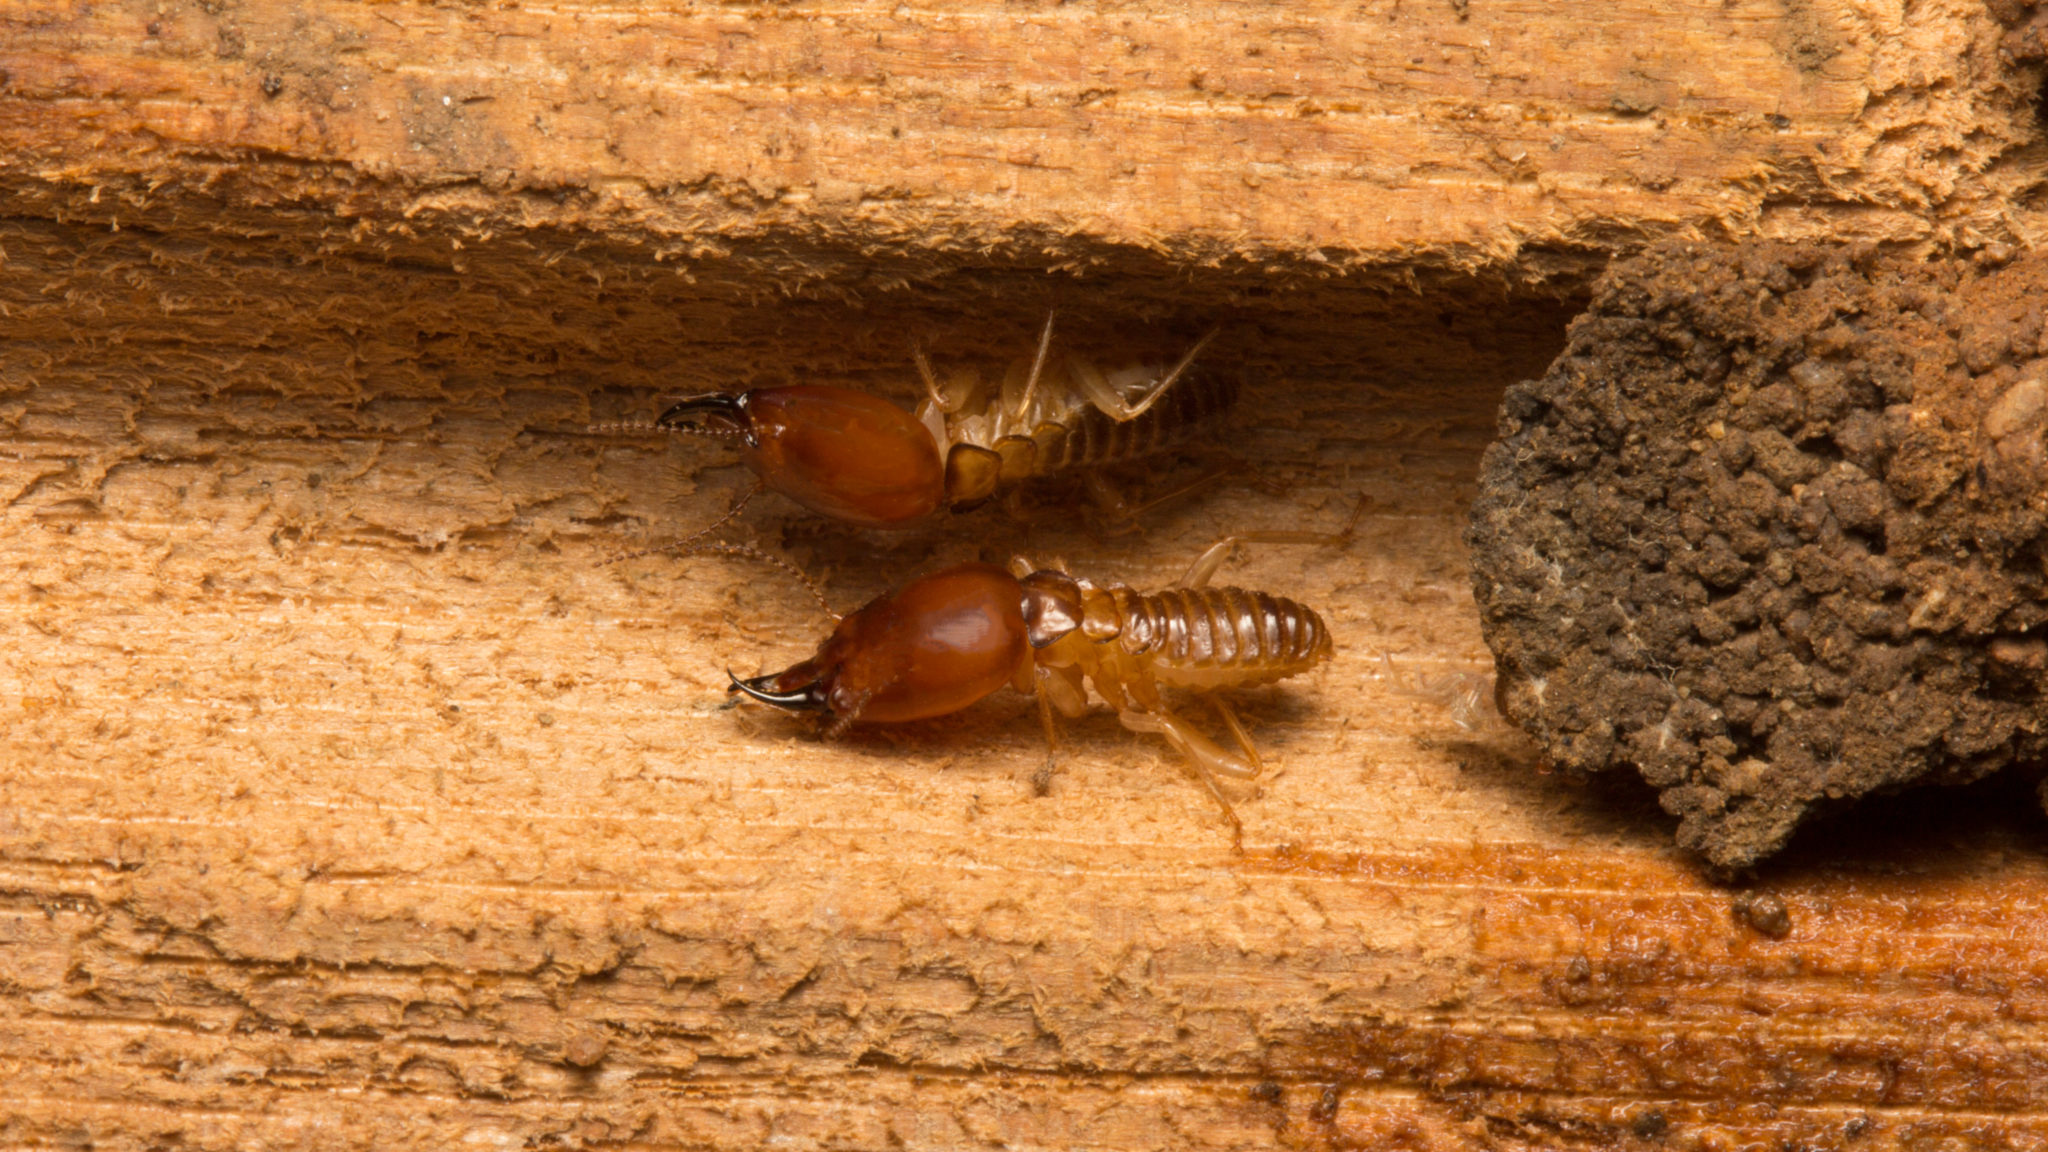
(952, 638)
(858, 458)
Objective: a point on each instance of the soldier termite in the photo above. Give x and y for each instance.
(950, 639)
(861, 459)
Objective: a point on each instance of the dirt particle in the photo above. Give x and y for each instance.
(1805, 39)
(1325, 1108)
(584, 1050)
(1995, 255)
(1650, 1125)
(1266, 1092)
(1631, 104)
(1984, 347)
(2018, 410)
(1764, 914)
(2030, 654)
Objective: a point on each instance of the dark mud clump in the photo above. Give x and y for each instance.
(1771, 531)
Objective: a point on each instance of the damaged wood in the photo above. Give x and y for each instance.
(1508, 138)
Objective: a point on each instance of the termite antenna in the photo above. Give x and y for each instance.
(695, 545)
(629, 428)
(680, 547)
(752, 553)
(1344, 534)
(1205, 565)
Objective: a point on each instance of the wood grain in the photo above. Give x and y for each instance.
(350, 798)
(1500, 136)
(349, 791)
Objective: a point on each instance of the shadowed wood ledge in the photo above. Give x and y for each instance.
(1455, 135)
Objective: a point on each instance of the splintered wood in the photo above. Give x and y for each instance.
(1304, 135)
(349, 797)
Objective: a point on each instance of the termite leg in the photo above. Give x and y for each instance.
(1203, 754)
(1022, 566)
(965, 385)
(1212, 558)
(1060, 689)
(1205, 565)
(1118, 511)
(1186, 738)
(1112, 403)
(1017, 508)
(1237, 731)
(1037, 363)
(1041, 780)
(1259, 480)
(931, 381)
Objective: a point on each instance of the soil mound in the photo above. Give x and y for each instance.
(1771, 532)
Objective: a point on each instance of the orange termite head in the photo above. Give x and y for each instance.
(837, 452)
(938, 645)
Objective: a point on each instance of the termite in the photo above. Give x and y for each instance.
(950, 639)
(859, 458)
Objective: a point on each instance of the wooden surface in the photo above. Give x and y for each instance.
(348, 798)
(1516, 137)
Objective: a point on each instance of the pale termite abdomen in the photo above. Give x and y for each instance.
(1193, 405)
(1212, 637)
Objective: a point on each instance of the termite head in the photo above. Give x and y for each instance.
(837, 452)
(938, 645)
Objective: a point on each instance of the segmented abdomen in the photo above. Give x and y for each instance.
(1212, 637)
(1195, 401)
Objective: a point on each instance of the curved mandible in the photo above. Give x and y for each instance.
(805, 699)
(710, 414)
